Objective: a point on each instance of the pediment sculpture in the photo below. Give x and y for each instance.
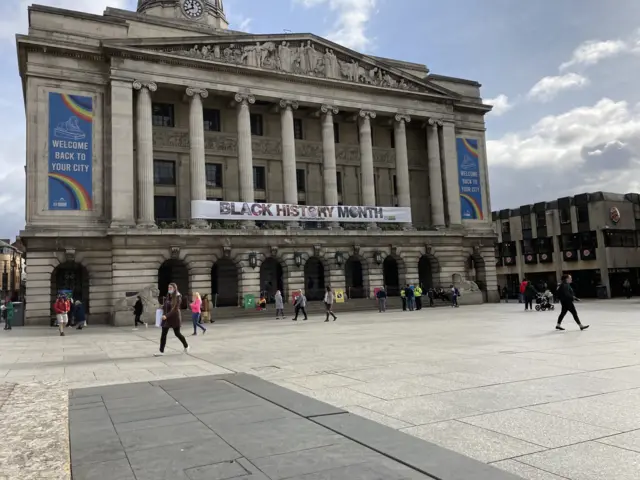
(301, 57)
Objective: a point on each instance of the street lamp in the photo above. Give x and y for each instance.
(378, 257)
(297, 258)
(339, 258)
(253, 260)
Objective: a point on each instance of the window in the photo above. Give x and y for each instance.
(336, 132)
(395, 186)
(544, 245)
(162, 115)
(508, 249)
(620, 238)
(165, 208)
(526, 222)
(636, 211)
(569, 242)
(259, 178)
(298, 133)
(588, 240)
(582, 213)
(301, 180)
(211, 120)
(257, 127)
(506, 226)
(527, 247)
(565, 216)
(541, 219)
(392, 138)
(214, 175)
(164, 172)
(215, 199)
(339, 182)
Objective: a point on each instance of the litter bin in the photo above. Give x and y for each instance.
(601, 291)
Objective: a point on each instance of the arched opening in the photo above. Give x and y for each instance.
(427, 268)
(354, 277)
(174, 271)
(271, 279)
(71, 279)
(314, 279)
(477, 272)
(224, 283)
(391, 276)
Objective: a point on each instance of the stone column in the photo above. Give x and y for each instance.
(329, 158)
(402, 160)
(122, 162)
(197, 168)
(450, 159)
(245, 153)
(146, 218)
(435, 173)
(366, 159)
(288, 151)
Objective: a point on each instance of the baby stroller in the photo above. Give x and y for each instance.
(544, 301)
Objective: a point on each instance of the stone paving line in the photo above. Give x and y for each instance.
(491, 382)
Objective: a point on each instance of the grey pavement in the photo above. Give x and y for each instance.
(491, 382)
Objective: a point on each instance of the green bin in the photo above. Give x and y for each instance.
(249, 301)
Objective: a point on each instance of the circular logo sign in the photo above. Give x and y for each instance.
(586, 253)
(614, 214)
(529, 258)
(544, 256)
(508, 259)
(569, 254)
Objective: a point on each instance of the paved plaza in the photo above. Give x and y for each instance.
(491, 382)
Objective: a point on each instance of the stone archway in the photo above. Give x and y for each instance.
(272, 278)
(428, 269)
(71, 279)
(314, 279)
(174, 271)
(354, 272)
(476, 271)
(224, 283)
(391, 276)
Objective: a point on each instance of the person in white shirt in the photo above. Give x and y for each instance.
(328, 303)
(300, 304)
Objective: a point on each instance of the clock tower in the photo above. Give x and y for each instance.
(209, 12)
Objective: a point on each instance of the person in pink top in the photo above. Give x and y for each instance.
(196, 307)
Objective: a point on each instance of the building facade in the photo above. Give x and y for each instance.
(592, 236)
(132, 116)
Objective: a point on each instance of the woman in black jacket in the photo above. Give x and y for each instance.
(566, 296)
(530, 293)
(138, 308)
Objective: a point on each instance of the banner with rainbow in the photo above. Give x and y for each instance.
(70, 152)
(469, 179)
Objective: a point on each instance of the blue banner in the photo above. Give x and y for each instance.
(70, 152)
(469, 179)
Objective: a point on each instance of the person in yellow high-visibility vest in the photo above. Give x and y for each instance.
(404, 300)
(418, 293)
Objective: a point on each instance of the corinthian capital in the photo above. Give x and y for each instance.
(292, 104)
(329, 109)
(401, 117)
(367, 114)
(139, 85)
(193, 91)
(244, 99)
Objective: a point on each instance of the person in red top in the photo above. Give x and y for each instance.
(61, 308)
(523, 288)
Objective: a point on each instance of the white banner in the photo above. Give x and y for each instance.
(282, 212)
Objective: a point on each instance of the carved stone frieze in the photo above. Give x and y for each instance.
(302, 57)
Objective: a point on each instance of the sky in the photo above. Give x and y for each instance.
(562, 76)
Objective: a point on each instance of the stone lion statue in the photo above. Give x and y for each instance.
(149, 296)
(463, 284)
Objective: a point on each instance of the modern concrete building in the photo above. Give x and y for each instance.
(132, 116)
(592, 236)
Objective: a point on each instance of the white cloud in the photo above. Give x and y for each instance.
(592, 52)
(548, 87)
(501, 105)
(350, 29)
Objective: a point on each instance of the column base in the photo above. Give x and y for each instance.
(248, 225)
(293, 226)
(142, 225)
(373, 227)
(409, 228)
(119, 224)
(200, 225)
(334, 226)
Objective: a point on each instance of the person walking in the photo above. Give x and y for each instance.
(431, 293)
(7, 313)
(455, 293)
(382, 300)
(567, 297)
(626, 286)
(523, 287)
(505, 294)
(61, 308)
(418, 294)
(196, 311)
(138, 308)
(329, 298)
(403, 297)
(205, 313)
(411, 300)
(172, 319)
(80, 315)
(300, 304)
(279, 305)
(530, 293)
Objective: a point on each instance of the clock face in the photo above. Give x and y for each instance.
(192, 8)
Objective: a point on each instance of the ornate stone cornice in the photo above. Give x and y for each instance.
(193, 91)
(151, 86)
(244, 99)
(332, 109)
(367, 114)
(286, 104)
(401, 117)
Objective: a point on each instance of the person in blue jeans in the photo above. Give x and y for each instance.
(196, 310)
(455, 293)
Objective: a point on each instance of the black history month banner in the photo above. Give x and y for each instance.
(282, 212)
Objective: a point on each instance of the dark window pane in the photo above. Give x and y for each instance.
(256, 125)
(214, 175)
(336, 132)
(162, 115)
(526, 222)
(541, 219)
(339, 182)
(565, 215)
(164, 172)
(392, 137)
(582, 214)
(506, 226)
(395, 185)
(165, 208)
(301, 180)
(527, 247)
(259, 178)
(211, 120)
(298, 133)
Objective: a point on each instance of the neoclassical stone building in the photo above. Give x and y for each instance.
(132, 116)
